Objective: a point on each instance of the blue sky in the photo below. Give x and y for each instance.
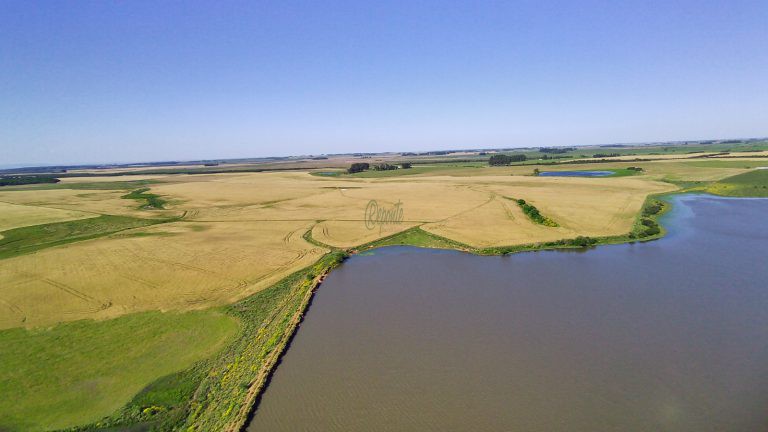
(122, 81)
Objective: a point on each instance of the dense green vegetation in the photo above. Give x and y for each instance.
(647, 225)
(152, 201)
(26, 179)
(533, 213)
(557, 150)
(503, 159)
(750, 184)
(26, 240)
(80, 371)
(358, 167)
(384, 167)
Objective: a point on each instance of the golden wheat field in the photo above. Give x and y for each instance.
(235, 234)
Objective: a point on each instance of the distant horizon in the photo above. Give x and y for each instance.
(481, 148)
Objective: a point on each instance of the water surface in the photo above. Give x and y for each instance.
(670, 335)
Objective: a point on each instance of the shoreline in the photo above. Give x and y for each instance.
(261, 384)
(269, 368)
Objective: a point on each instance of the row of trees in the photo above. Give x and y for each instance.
(364, 166)
(502, 159)
(358, 167)
(384, 167)
(533, 213)
(26, 179)
(556, 150)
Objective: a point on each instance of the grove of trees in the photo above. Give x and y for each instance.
(358, 167)
(502, 159)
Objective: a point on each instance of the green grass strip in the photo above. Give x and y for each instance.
(20, 241)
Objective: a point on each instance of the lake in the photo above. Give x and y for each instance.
(668, 335)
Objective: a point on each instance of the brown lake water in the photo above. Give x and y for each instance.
(670, 335)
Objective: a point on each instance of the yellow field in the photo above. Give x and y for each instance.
(580, 206)
(242, 232)
(17, 216)
(346, 234)
(173, 266)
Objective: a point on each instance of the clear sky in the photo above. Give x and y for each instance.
(123, 81)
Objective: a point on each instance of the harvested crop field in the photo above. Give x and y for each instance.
(177, 265)
(241, 233)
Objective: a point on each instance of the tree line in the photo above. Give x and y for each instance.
(365, 166)
(502, 159)
(25, 180)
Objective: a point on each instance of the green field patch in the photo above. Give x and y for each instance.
(151, 201)
(750, 184)
(397, 172)
(79, 372)
(625, 172)
(20, 241)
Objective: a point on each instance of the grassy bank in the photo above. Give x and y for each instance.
(79, 372)
(218, 393)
